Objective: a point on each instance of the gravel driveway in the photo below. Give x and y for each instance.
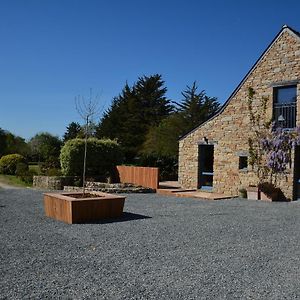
(163, 248)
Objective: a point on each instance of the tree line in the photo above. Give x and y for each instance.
(142, 119)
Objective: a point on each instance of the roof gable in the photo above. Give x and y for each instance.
(285, 28)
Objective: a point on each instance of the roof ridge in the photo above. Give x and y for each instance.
(292, 29)
(222, 108)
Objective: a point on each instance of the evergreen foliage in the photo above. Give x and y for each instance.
(134, 112)
(163, 139)
(167, 164)
(10, 143)
(196, 107)
(2, 142)
(102, 156)
(73, 131)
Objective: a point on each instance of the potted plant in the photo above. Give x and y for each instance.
(270, 149)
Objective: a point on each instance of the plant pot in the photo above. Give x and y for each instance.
(264, 197)
(273, 197)
(269, 192)
(72, 208)
(253, 193)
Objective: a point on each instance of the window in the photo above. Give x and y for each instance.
(285, 106)
(243, 162)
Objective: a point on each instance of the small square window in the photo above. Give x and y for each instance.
(243, 162)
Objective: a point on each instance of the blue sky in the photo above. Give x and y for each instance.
(53, 50)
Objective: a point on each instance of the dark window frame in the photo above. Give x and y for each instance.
(287, 109)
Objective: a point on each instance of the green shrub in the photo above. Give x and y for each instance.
(243, 193)
(24, 173)
(102, 156)
(168, 165)
(35, 167)
(53, 172)
(21, 168)
(8, 163)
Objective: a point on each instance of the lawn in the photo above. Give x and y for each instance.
(162, 248)
(13, 180)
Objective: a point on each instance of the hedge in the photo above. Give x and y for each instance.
(102, 156)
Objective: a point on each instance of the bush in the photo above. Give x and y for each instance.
(53, 172)
(168, 165)
(243, 193)
(102, 156)
(8, 163)
(21, 168)
(24, 173)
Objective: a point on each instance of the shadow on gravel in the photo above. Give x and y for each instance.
(126, 216)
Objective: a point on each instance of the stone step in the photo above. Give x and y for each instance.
(172, 191)
(203, 195)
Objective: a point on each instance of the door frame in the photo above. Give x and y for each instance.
(202, 172)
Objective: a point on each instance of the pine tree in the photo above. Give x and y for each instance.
(134, 112)
(151, 92)
(196, 107)
(73, 130)
(2, 142)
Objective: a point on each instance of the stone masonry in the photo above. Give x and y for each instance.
(52, 182)
(229, 130)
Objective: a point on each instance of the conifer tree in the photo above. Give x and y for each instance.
(134, 112)
(73, 130)
(196, 107)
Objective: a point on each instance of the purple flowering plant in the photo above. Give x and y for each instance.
(277, 146)
(270, 147)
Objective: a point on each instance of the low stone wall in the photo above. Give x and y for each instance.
(110, 188)
(52, 182)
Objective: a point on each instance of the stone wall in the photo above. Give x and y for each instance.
(229, 131)
(110, 188)
(52, 182)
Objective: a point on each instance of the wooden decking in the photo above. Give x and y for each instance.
(172, 188)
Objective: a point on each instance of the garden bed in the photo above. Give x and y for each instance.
(115, 188)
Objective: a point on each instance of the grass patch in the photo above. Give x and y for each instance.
(35, 168)
(13, 180)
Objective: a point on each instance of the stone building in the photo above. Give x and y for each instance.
(214, 155)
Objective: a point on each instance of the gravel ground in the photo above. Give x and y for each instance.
(163, 248)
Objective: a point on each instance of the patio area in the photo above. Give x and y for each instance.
(163, 247)
(173, 188)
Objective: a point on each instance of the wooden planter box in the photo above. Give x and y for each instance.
(69, 209)
(253, 193)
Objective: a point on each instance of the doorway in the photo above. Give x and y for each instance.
(205, 167)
